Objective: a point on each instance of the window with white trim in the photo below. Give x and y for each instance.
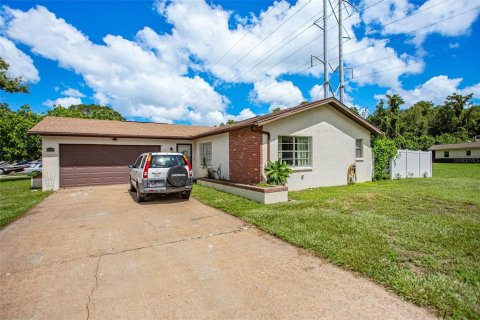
(446, 154)
(469, 153)
(206, 154)
(295, 151)
(359, 148)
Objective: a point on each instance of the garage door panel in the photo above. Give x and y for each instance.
(84, 165)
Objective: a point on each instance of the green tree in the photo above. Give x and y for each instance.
(90, 111)
(417, 118)
(394, 102)
(379, 116)
(8, 84)
(16, 144)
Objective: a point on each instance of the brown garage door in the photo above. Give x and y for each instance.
(90, 164)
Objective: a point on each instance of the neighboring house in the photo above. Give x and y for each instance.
(320, 140)
(457, 152)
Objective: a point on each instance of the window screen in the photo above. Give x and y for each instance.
(206, 154)
(359, 148)
(295, 151)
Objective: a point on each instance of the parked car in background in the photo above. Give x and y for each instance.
(161, 173)
(34, 167)
(24, 166)
(16, 167)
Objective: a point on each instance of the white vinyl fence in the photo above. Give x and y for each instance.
(411, 164)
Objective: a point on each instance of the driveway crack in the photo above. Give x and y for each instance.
(153, 226)
(240, 229)
(87, 306)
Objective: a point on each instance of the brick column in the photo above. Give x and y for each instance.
(245, 153)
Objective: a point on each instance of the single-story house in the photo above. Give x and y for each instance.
(457, 152)
(319, 140)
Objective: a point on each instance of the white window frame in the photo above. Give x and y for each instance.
(295, 152)
(446, 154)
(205, 151)
(468, 153)
(359, 148)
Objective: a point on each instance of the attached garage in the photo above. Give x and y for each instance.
(90, 152)
(95, 164)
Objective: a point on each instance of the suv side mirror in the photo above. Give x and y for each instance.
(130, 166)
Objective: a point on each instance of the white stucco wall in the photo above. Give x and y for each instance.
(51, 160)
(458, 153)
(220, 154)
(333, 147)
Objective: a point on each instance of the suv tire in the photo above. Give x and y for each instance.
(139, 197)
(177, 176)
(132, 188)
(186, 195)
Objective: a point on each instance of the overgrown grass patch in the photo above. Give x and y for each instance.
(16, 198)
(419, 237)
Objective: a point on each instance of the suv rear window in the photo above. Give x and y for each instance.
(166, 161)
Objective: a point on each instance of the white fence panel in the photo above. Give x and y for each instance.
(411, 164)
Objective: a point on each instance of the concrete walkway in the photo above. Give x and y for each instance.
(94, 253)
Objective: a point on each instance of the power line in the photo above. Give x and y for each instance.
(248, 31)
(291, 54)
(395, 54)
(395, 21)
(409, 64)
(258, 44)
(405, 33)
(271, 67)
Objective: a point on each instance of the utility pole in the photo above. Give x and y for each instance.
(325, 52)
(340, 49)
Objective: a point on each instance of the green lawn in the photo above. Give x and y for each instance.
(16, 198)
(419, 237)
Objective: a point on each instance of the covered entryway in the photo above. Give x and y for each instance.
(96, 164)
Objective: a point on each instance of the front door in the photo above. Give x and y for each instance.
(186, 149)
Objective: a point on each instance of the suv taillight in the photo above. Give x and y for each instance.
(190, 172)
(147, 165)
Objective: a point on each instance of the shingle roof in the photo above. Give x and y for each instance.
(462, 145)
(270, 117)
(60, 126)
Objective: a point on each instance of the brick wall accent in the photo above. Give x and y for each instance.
(245, 153)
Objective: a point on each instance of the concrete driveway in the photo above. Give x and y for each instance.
(93, 253)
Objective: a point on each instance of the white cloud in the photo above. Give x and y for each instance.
(435, 89)
(150, 76)
(204, 31)
(64, 102)
(282, 94)
(126, 74)
(429, 13)
(73, 93)
(21, 65)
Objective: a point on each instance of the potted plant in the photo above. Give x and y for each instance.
(36, 179)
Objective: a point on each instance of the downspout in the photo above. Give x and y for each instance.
(256, 129)
(253, 128)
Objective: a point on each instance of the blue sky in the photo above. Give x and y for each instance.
(206, 62)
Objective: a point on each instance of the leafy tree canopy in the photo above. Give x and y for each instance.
(424, 124)
(86, 111)
(8, 84)
(16, 143)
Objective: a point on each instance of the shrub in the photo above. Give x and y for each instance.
(383, 150)
(277, 172)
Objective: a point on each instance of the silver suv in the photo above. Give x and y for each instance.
(160, 172)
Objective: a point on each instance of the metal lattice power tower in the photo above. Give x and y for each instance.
(326, 76)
